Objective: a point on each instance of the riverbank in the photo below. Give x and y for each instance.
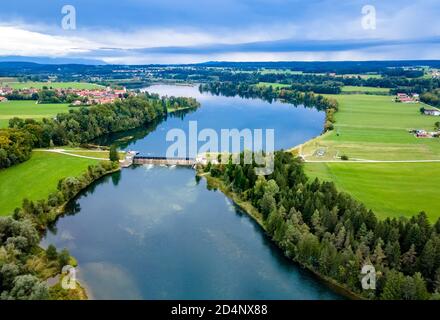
(256, 215)
(41, 264)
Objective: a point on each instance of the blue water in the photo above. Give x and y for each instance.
(155, 233)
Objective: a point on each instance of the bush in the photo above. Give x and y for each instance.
(51, 252)
(64, 258)
(344, 157)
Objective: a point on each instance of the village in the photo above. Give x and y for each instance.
(81, 96)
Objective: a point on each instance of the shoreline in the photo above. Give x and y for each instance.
(252, 212)
(59, 212)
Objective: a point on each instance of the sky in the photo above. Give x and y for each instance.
(192, 31)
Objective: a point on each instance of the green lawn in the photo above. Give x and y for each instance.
(36, 178)
(389, 189)
(358, 89)
(28, 109)
(55, 85)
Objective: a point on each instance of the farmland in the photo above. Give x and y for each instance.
(358, 89)
(36, 178)
(54, 85)
(274, 85)
(28, 109)
(389, 189)
(370, 127)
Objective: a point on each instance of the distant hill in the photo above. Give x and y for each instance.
(326, 66)
(48, 60)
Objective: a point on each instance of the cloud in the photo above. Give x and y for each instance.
(18, 41)
(170, 31)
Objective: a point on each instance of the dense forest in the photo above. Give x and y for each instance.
(268, 93)
(334, 235)
(82, 125)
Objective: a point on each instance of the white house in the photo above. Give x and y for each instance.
(431, 112)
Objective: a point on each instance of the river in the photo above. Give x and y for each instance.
(152, 232)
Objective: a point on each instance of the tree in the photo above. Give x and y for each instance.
(51, 252)
(428, 259)
(114, 155)
(392, 252)
(64, 258)
(393, 286)
(409, 261)
(27, 287)
(267, 204)
(437, 281)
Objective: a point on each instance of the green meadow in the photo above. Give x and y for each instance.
(370, 127)
(373, 127)
(273, 84)
(54, 85)
(28, 109)
(362, 76)
(389, 189)
(36, 178)
(359, 89)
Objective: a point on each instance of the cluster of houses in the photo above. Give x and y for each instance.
(405, 98)
(96, 96)
(4, 91)
(85, 96)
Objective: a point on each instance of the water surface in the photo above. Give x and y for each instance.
(154, 233)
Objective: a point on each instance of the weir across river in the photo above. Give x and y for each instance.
(164, 161)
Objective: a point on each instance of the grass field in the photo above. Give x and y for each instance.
(362, 76)
(279, 71)
(55, 85)
(389, 189)
(36, 178)
(28, 109)
(273, 84)
(358, 89)
(376, 128)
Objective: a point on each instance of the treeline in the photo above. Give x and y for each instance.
(432, 98)
(24, 266)
(15, 146)
(334, 235)
(398, 79)
(81, 125)
(270, 94)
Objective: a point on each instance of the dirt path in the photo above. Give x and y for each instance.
(62, 151)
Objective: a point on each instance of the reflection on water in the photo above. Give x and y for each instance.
(151, 232)
(292, 125)
(155, 233)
